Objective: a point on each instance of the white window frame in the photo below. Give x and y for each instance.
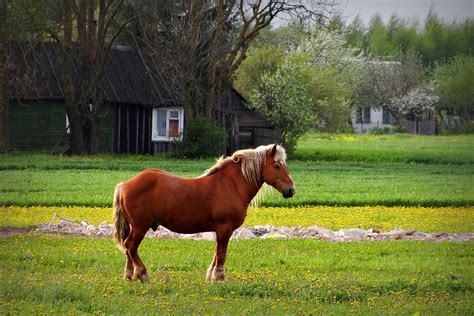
(154, 134)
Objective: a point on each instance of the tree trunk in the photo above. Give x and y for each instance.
(92, 129)
(213, 59)
(77, 141)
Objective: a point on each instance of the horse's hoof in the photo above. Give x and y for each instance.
(216, 276)
(128, 276)
(143, 278)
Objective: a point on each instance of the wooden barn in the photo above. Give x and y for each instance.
(140, 118)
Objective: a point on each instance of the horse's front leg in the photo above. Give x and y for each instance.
(216, 269)
(211, 269)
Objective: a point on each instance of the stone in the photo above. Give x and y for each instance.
(90, 228)
(295, 231)
(243, 233)
(410, 232)
(352, 234)
(274, 235)
(373, 231)
(321, 231)
(259, 230)
(208, 236)
(62, 223)
(67, 226)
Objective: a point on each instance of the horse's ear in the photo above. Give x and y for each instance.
(274, 150)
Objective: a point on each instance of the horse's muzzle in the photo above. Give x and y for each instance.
(287, 193)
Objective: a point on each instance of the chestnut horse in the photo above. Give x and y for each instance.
(216, 201)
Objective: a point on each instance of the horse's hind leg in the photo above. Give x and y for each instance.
(131, 245)
(128, 271)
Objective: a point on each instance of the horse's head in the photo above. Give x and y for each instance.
(275, 172)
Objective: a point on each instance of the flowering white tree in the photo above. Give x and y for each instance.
(327, 50)
(338, 71)
(415, 103)
(388, 82)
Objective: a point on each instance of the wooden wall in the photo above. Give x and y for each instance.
(132, 132)
(4, 138)
(42, 125)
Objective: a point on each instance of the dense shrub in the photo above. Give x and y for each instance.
(202, 138)
(460, 128)
(387, 130)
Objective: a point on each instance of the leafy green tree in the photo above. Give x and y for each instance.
(312, 88)
(355, 34)
(404, 37)
(454, 82)
(285, 37)
(331, 101)
(261, 60)
(432, 43)
(378, 39)
(283, 97)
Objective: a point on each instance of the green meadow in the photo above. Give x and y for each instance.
(385, 181)
(51, 274)
(349, 170)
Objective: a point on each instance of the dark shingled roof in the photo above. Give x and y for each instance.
(126, 79)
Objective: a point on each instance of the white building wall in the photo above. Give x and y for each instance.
(376, 120)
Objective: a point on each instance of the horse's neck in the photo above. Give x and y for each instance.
(232, 172)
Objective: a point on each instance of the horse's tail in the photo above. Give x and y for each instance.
(121, 226)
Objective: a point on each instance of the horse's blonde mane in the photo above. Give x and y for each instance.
(251, 161)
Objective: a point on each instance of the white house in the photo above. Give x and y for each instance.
(364, 119)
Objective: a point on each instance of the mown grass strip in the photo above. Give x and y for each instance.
(404, 148)
(399, 148)
(51, 274)
(317, 183)
(426, 219)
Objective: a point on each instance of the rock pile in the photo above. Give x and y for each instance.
(67, 226)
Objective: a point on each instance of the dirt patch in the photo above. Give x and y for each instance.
(8, 232)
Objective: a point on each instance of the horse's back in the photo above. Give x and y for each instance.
(156, 197)
(151, 184)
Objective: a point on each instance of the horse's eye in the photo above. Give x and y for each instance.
(277, 166)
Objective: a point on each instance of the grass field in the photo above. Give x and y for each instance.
(343, 181)
(348, 170)
(405, 148)
(317, 183)
(71, 275)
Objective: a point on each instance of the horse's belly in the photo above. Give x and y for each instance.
(188, 230)
(185, 222)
